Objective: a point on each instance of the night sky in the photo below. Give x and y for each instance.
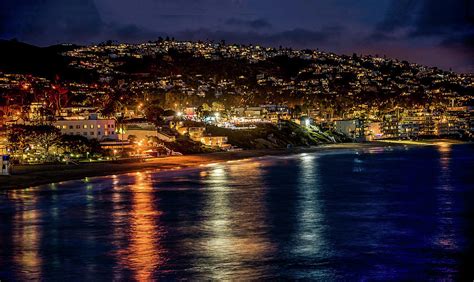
(431, 32)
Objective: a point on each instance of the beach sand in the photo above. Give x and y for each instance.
(24, 176)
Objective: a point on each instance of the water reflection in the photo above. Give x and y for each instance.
(445, 236)
(234, 224)
(144, 253)
(310, 225)
(399, 216)
(27, 237)
(309, 242)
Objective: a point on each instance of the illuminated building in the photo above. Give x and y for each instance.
(91, 127)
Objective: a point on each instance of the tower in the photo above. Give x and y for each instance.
(5, 165)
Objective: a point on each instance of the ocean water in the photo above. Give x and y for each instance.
(372, 214)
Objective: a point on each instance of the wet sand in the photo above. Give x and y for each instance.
(24, 176)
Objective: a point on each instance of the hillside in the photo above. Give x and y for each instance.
(17, 57)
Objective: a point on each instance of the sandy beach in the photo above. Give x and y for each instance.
(24, 176)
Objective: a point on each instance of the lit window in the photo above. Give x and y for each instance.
(64, 126)
(85, 125)
(98, 126)
(92, 126)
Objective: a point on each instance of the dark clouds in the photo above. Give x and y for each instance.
(437, 24)
(37, 20)
(46, 22)
(297, 38)
(428, 17)
(254, 24)
(444, 17)
(399, 15)
(432, 32)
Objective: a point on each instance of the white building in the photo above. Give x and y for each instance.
(91, 127)
(353, 128)
(140, 130)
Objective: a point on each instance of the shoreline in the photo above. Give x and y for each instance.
(26, 176)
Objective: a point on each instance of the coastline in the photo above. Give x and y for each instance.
(34, 175)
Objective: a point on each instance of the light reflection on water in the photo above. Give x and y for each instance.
(446, 233)
(310, 241)
(374, 214)
(234, 240)
(143, 254)
(26, 240)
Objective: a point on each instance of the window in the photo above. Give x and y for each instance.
(98, 133)
(78, 126)
(98, 126)
(92, 133)
(85, 125)
(71, 127)
(64, 126)
(112, 126)
(85, 133)
(92, 126)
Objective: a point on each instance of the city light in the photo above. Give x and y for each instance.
(245, 160)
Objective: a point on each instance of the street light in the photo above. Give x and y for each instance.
(306, 122)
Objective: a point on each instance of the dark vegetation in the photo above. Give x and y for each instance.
(271, 136)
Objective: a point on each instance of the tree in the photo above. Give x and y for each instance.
(218, 107)
(169, 113)
(154, 113)
(36, 139)
(206, 108)
(75, 144)
(44, 137)
(132, 138)
(297, 110)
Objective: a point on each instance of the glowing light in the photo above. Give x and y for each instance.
(306, 122)
(144, 254)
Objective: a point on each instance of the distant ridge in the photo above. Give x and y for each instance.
(19, 57)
